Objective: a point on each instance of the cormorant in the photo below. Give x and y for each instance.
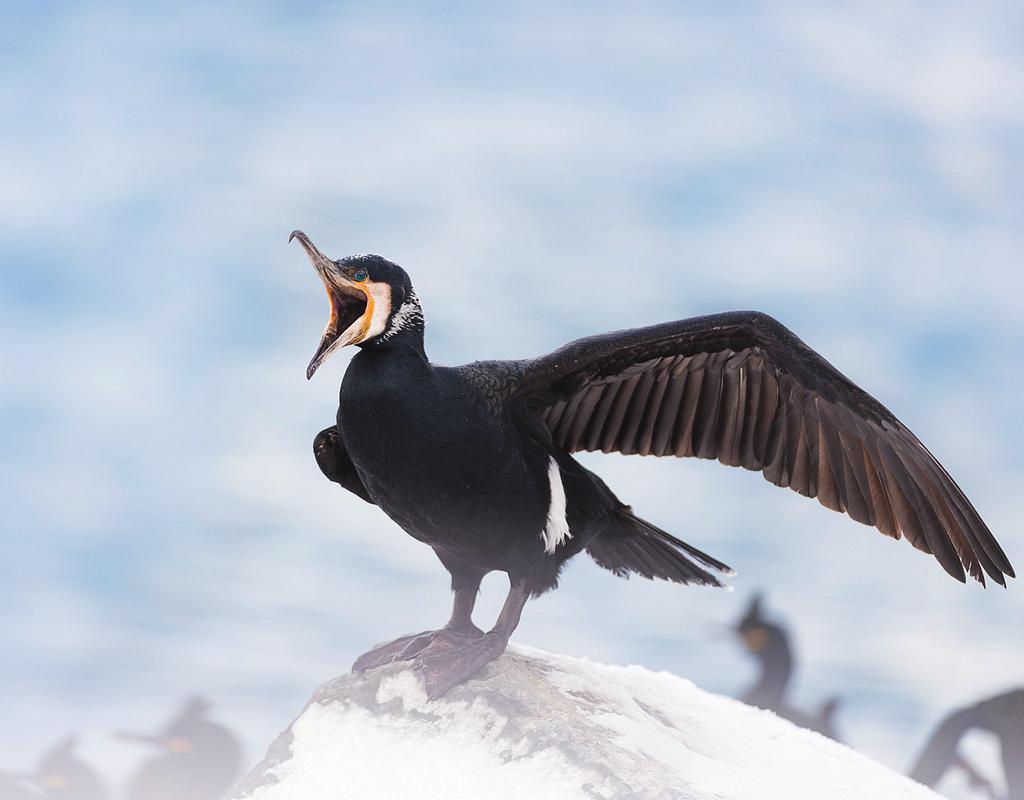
(198, 759)
(475, 461)
(1002, 716)
(59, 773)
(769, 644)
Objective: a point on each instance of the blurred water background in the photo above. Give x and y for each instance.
(544, 171)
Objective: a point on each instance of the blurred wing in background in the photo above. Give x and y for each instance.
(742, 388)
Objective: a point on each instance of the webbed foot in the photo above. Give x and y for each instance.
(405, 648)
(445, 663)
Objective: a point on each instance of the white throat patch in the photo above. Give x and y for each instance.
(381, 294)
(409, 314)
(556, 530)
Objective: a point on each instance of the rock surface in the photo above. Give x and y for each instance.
(538, 725)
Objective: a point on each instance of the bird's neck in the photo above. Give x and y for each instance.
(404, 330)
(776, 669)
(403, 342)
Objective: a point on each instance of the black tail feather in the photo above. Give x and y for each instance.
(629, 544)
(701, 556)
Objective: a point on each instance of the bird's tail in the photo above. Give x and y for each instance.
(629, 544)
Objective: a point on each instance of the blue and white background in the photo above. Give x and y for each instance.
(544, 171)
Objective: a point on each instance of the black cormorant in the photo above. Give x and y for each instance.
(1002, 716)
(769, 644)
(475, 461)
(59, 773)
(198, 759)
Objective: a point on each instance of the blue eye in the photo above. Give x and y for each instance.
(360, 276)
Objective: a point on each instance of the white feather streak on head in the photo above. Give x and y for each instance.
(556, 530)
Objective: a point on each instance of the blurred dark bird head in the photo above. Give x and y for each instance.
(60, 773)
(756, 633)
(371, 302)
(190, 733)
(195, 706)
(197, 758)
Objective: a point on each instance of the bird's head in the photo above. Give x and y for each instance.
(753, 629)
(60, 773)
(371, 298)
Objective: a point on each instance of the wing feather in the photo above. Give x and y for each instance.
(687, 414)
(669, 413)
(635, 414)
(743, 389)
(651, 412)
(597, 419)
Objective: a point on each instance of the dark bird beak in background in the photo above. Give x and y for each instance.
(720, 632)
(348, 304)
(140, 738)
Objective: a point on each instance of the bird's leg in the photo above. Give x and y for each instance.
(459, 628)
(461, 620)
(445, 664)
(974, 778)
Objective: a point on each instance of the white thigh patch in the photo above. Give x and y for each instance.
(556, 530)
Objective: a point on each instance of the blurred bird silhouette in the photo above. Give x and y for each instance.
(769, 644)
(1002, 715)
(58, 774)
(198, 759)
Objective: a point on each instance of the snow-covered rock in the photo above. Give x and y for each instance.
(538, 725)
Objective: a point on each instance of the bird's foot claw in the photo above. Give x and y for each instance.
(445, 662)
(405, 648)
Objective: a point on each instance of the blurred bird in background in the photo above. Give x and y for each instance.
(1003, 716)
(197, 759)
(58, 774)
(769, 644)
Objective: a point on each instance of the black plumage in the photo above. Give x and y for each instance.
(476, 462)
(59, 773)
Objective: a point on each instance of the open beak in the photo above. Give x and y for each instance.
(349, 305)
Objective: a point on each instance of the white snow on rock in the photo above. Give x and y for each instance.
(539, 725)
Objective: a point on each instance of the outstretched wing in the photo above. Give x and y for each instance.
(743, 389)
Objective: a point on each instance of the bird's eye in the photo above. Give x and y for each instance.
(360, 275)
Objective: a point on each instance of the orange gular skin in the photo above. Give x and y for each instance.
(365, 320)
(367, 315)
(332, 320)
(755, 639)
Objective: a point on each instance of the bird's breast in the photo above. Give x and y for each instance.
(435, 460)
